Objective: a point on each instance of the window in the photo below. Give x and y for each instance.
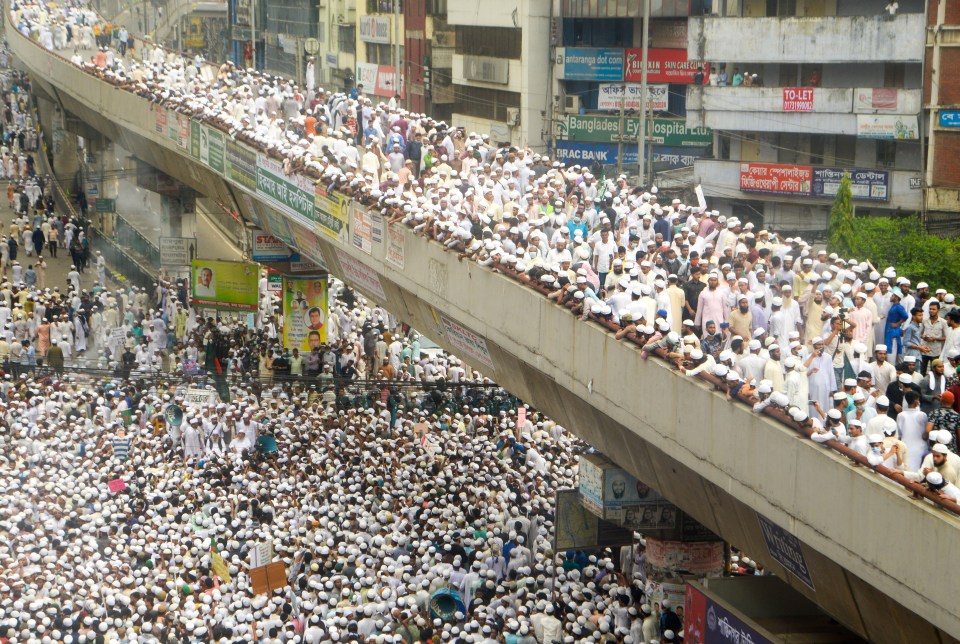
(846, 151)
(816, 150)
(485, 103)
(498, 42)
(893, 74)
(382, 6)
(348, 38)
(724, 151)
(886, 154)
(436, 7)
(381, 54)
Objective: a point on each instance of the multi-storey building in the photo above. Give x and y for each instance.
(599, 64)
(834, 86)
(500, 71)
(942, 97)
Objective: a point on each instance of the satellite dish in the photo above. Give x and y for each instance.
(174, 415)
(311, 46)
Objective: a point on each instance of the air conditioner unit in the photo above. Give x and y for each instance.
(571, 104)
(513, 116)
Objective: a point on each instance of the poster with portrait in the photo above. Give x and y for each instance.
(224, 285)
(304, 312)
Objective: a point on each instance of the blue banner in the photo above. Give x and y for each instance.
(584, 153)
(950, 118)
(581, 63)
(866, 185)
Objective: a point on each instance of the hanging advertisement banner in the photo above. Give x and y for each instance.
(379, 80)
(267, 248)
(224, 285)
(887, 126)
(304, 312)
(291, 194)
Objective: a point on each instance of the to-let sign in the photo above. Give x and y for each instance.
(797, 99)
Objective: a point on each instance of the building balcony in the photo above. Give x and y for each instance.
(835, 39)
(807, 185)
(826, 110)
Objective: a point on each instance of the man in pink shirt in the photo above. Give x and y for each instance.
(710, 304)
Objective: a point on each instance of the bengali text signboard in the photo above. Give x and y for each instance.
(778, 179)
(611, 95)
(291, 194)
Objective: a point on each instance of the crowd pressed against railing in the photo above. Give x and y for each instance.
(380, 503)
(781, 323)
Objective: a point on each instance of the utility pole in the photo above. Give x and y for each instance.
(622, 130)
(397, 83)
(642, 134)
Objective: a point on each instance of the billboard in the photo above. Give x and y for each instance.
(611, 129)
(612, 94)
(808, 181)
(583, 63)
(379, 80)
(776, 179)
(866, 185)
(224, 285)
(304, 312)
(267, 248)
(887, 126)
(663, 66)
(706, 621)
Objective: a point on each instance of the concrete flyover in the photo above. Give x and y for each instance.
(878, 560)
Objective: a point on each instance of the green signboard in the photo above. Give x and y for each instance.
(285, 195)
(224, 285)
(195, 139)
(106, 205)
(212, 143)
(240, 165)
(607, 129)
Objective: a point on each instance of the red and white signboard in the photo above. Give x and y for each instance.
(797, 99)
(612, 94)
(663, 66)
(379, 80)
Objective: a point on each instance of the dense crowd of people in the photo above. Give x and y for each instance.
(376, 506)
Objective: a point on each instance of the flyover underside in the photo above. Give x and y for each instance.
(878, 560)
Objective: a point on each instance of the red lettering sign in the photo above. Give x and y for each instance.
(776, 179)
(797, 99)
(663, 66)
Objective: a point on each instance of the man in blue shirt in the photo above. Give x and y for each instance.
(912, 342)
(896, 316)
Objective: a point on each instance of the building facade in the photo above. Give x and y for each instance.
(799, 92)
(942, 96)
(599, 65)
(501, 81)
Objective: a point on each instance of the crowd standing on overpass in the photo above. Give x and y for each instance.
(375, 509)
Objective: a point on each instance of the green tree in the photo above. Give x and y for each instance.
(841, 238)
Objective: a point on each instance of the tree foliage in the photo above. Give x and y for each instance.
(900, 242)
(841, 235)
